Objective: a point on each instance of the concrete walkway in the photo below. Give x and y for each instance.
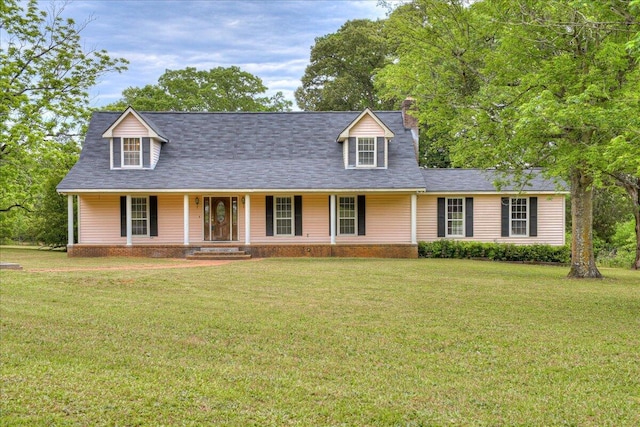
(10, 266)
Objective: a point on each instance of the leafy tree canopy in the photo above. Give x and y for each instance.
(340, 76)
(45, 75)
(516, 84)
(217, 89)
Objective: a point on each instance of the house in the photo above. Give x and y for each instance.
(166, 184)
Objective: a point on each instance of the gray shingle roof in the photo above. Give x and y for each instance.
(233, 151)
(153, 126)
(480, 180)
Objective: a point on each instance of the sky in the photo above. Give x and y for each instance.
(268, 38)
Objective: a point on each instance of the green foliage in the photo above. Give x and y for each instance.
(45, 75)
(217, 89)
(634, 43)
(621, 251)
(50, 215)
(494, 251)
(342, 69)
(610, 207)
(511, 85)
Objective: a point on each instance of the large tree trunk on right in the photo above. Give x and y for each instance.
(583, 264)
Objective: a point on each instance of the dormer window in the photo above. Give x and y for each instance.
(365, 142)
(135, 141)
(131, 152)
(366, 151)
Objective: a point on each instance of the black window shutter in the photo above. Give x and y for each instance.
(146, 152)
(380, 149)
(362, 216)
(269, 214)
(533, 216)
(441, 217)
(468, 213)
(153, 215)
(352, 151)
(297, 208)
(505, 217)
(117, 161)
(123, 216)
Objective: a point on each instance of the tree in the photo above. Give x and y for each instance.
(621, 161)
(50, 220)
(622, 157)
(45, 74)
(341, 73)
(217, 89)
(517, 84)
(610, 206)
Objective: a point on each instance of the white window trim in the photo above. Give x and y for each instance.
(139, 165)
(147, 217)
(375, 152)
(511, 219)
(292, 218)
(355, 215)
(446, 224)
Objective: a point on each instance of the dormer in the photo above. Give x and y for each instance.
(135, 142)
(366, 142)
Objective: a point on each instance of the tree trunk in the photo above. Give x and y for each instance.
(583, 263)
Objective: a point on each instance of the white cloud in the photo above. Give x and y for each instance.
(271, 39)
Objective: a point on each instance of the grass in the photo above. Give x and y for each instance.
(316, 342)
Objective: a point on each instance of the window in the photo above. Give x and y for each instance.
(283, 216)
(366, 151)
(518, 216)
(347, 215)
(131, 152)
(139, 216)
(455, 217)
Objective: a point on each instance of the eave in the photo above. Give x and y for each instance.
(345, 133)
(152, 132)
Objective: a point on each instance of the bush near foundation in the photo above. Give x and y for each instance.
(495, 251)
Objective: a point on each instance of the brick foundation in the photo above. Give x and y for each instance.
(256, 251)
(145, 251)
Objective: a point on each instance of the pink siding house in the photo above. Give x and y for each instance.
(168, 184)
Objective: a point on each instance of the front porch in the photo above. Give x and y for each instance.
(177, 225)
(255, 250)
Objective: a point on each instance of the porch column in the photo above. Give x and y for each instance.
(79, 221)
(414, 219)
(247, 219)
(129, 221)
(70, 220)
(186, 219)
(332, 208)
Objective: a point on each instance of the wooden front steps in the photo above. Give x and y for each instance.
(219, 254)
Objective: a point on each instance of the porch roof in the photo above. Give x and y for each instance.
(482, 181)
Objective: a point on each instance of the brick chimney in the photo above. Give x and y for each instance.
(410, 122)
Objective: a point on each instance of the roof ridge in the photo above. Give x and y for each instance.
(248, 112)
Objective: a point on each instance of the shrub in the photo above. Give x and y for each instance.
(494, 251)
(622, 250)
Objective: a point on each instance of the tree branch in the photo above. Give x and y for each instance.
(16, 205)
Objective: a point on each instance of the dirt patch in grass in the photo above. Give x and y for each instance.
(175, 263)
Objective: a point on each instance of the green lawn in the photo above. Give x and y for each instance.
(351, 342)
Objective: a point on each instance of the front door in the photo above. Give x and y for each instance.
(220, 219)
